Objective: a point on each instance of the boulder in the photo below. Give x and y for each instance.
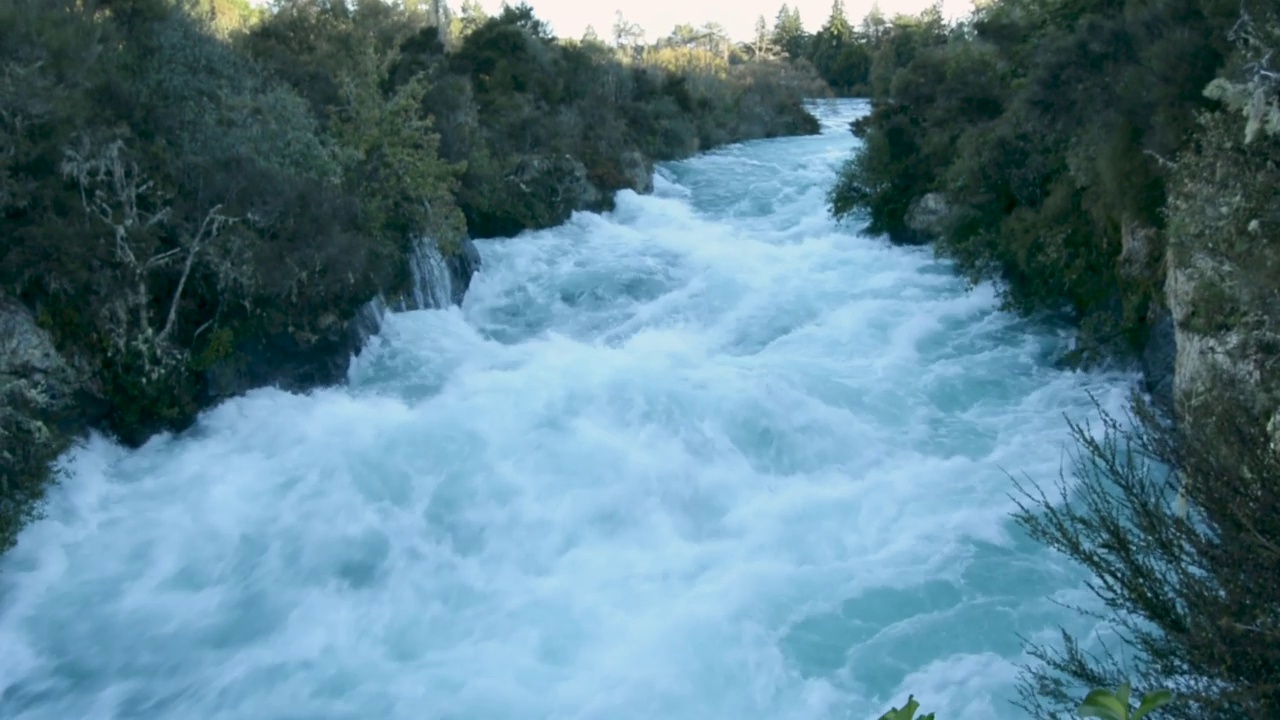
(927, 215)
(637, 172)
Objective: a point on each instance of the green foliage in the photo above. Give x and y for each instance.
(1110, 705)
(1180, 529)
(845, 57)
(1050, 127)
(907, 712)
(198, 198)
(1099, 703)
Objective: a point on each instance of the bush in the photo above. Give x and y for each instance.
(1180, 528)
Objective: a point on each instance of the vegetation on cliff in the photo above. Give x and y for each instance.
(197, 197)
(1115, 161)
(1056, 131)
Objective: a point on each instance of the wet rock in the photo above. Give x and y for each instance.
(462, 265)
(294, 359)
(43, 406)
(1159, 359)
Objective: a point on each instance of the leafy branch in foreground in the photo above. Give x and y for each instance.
(1179, 526)
(1110, 705)
(907, 712)
(1100, 703)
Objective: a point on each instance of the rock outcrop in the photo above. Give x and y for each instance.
(637, 172)
(557, 185)
(926, 219)
(1222, 272)
(1222, 332)
(42, 403)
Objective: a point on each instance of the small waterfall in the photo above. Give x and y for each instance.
(432, 281)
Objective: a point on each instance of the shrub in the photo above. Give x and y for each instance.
(1180, 529)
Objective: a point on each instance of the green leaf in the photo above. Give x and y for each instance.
(1152, 701)
(1122, 694)
(906, 713)
(1103, 704)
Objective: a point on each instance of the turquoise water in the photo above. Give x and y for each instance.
(710, 456)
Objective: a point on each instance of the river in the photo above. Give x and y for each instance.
(711, 456)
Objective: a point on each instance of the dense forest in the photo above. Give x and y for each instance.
(198, 197)
(1114, 163)
(840, 52)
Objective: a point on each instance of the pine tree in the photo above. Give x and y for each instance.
(837, 29)
(762, 37)
(875, 24)
(470, 18)
(788, 32)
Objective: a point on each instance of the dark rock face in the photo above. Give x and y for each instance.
(1159, 359)
(462, 266)
(287, 361)
(299, 361)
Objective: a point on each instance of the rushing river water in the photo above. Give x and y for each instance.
(708, 457)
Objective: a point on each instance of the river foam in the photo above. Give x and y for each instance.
(709, 456)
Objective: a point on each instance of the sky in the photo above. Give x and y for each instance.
(569, 18)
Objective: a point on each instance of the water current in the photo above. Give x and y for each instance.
(710, 456)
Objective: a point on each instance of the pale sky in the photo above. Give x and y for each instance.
(569, 18)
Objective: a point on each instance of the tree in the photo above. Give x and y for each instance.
(837, 26)
(469, 19)
(684, 35)
(714, 39)
(828, 47)
(763, 45)
(626, 34)
(788, 32)
(874, 25)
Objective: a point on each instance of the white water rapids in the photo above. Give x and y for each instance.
(708, 457)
